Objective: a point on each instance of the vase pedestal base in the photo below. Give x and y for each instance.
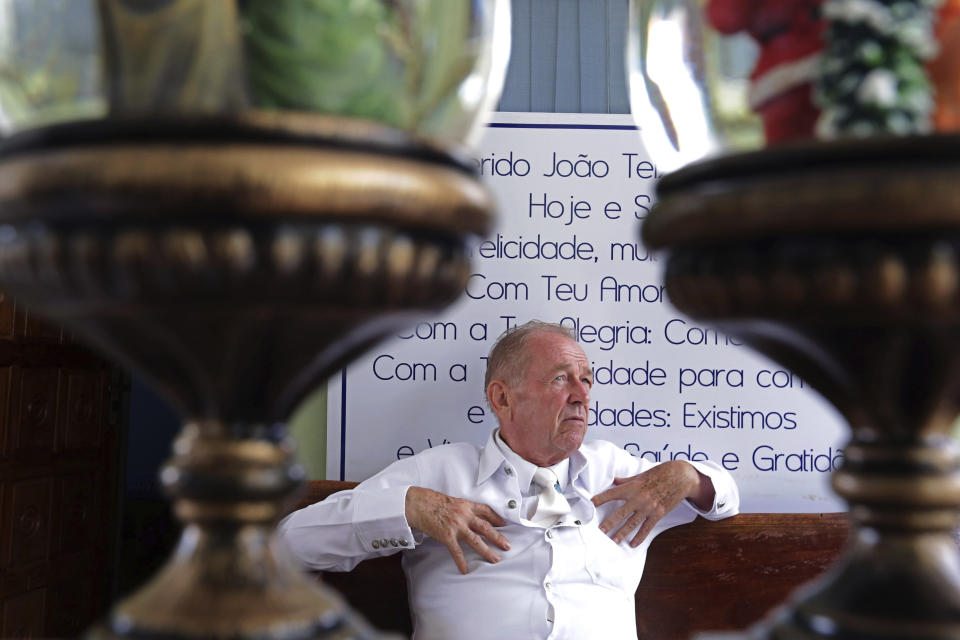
(841, 262)
(235, 264)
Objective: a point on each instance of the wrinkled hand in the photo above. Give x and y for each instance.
(451, 520)
(649, 496)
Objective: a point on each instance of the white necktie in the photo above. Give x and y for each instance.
(551, 504)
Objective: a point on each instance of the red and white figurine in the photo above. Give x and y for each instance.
(790, 36)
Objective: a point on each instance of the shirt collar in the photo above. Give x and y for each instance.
(524, 468)
(492, 458)
(578, 462)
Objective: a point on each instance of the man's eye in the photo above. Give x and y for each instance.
(560, 377)
(588, 382)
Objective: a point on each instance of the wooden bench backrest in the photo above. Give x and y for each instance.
(704, 576)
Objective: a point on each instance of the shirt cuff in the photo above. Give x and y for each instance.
(726, 497)
(380, 522)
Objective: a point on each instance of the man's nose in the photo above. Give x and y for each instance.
(580, 392)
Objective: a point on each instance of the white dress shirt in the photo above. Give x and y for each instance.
(569, 581)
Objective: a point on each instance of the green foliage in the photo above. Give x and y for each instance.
(324, 55)
(400, 62)
(873, 78)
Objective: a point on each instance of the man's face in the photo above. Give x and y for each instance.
(545, 417)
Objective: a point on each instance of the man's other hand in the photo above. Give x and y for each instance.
(649, 496)
(450, 520)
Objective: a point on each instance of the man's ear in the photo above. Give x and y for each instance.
(498, 395)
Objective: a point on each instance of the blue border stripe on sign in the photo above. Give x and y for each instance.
(517, 125)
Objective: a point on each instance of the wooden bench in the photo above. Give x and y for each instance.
(704, 576)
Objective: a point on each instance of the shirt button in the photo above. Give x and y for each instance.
(511, 504)
(393, 542)
(721, 505)
(384, 542)
(549, 533)
(577, 522)
(508, 471)
(375, 544)
(547, 586)
(403, 542)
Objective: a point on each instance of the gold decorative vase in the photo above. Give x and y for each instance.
(235, 263)
(841, 261)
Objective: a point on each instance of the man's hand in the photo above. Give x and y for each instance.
(649, 496)
(449, 520)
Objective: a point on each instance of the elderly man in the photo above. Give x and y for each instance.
(534, 535)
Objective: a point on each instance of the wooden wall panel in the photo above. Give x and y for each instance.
(59, 475)
(6, 381)
(31, 513)
(76, 512)
(82, 411)
(24, 616)
(75, 607)
(35, 401)
(6, 317)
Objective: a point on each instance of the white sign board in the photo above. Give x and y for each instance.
(573, 190)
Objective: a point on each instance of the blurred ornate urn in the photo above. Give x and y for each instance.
(234, 198)
(812, 211)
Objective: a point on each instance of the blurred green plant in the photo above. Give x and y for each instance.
(400, 62)
(418, 65)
